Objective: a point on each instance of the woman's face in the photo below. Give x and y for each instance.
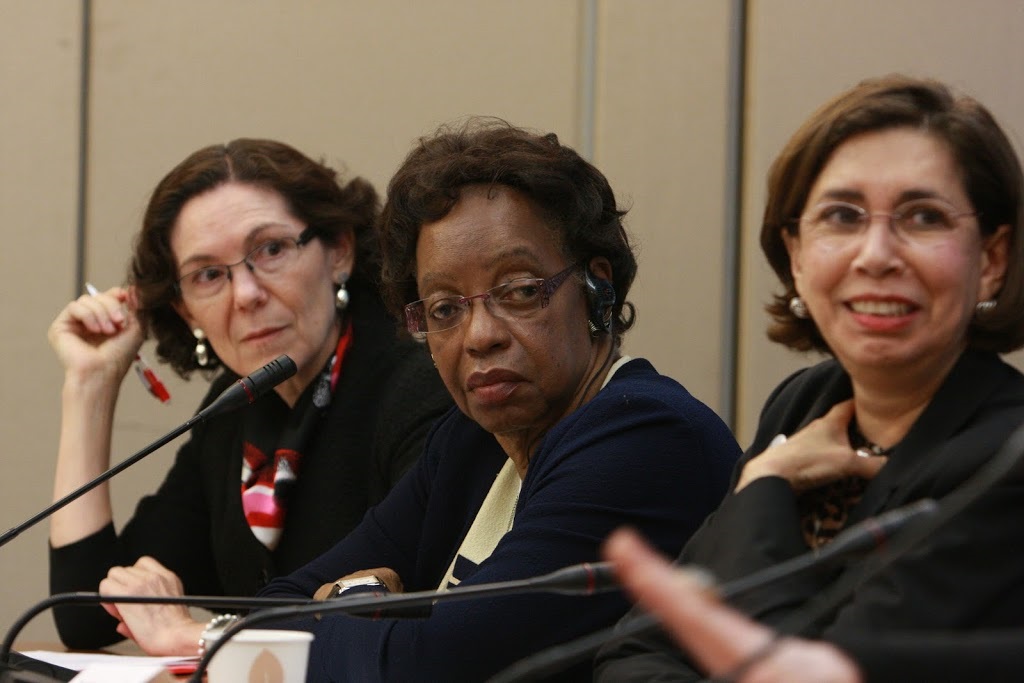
(886, 298)
(254, 317)
(516, 377)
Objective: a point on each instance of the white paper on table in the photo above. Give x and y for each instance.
(78, 661)
(114, 673)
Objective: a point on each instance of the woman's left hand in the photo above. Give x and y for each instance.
(389, 577)
(818, 454)
(158, 629)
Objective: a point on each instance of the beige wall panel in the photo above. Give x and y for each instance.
(661, 138)
(353, 82)
(39, 64)
(802, 52)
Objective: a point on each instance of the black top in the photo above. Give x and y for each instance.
(388, 396)
(966, 576)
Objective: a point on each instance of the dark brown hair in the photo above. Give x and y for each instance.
(989, 169)
(574, 196)
(311, 191)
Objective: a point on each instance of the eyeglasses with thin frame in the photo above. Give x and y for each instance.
(267, 259)
(519, 298)
(920, 222)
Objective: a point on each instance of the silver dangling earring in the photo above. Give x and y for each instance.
(983, 308)
(798, 308)
(202, 355)
(341, 298)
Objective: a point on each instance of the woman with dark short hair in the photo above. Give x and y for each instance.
(506, 252)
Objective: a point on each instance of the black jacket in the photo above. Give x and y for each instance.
(968, 575)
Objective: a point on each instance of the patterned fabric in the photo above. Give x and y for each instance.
(269, 471)
(824, 510)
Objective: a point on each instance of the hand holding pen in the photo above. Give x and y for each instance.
(144, 372)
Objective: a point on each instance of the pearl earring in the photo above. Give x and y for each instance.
(201, 353)
(798, 308)
(341, 298)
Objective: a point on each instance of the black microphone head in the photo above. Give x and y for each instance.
(269, 376)
(248, 389)
(579, 579)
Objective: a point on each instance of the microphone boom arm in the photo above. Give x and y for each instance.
(245, 390)
(581, 579)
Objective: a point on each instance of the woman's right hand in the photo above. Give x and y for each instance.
(97, 336)
(818, 454)
(96, 339)
(158, 629)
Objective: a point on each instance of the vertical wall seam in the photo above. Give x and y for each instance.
(735, 114)
(588, 78)
(85, 67)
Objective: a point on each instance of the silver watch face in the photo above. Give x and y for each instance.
(359, 581)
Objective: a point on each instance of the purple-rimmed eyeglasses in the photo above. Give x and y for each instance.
(518, 298)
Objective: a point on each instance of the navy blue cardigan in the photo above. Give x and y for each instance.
(643, 452)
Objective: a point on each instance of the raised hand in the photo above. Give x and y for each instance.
(816, 455)
(97, 336)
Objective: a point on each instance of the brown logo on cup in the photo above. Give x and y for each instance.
(266, 668)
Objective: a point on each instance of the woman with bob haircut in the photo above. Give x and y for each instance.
(893, 222)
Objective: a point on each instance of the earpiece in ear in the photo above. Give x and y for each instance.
(601, 299)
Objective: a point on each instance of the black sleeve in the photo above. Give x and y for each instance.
(991, 656)
(170, 525)
(80, 566)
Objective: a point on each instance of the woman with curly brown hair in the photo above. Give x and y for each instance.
(247, 251)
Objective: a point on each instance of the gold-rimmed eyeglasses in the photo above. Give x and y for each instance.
(920, 222)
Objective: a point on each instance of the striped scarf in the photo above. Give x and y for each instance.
(267, 480)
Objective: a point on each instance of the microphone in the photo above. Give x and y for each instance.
(243, 391)
(854, 541)
(580, 579)
(248, 389)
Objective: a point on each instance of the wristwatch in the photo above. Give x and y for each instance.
(359, 584)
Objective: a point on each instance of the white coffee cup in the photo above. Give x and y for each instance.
(266, 656)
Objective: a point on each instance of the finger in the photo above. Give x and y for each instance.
(90, 313)
(838, 418)
(717, 636)
(113, 301)
(112, 610)
(124, 631)
(323, 591)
